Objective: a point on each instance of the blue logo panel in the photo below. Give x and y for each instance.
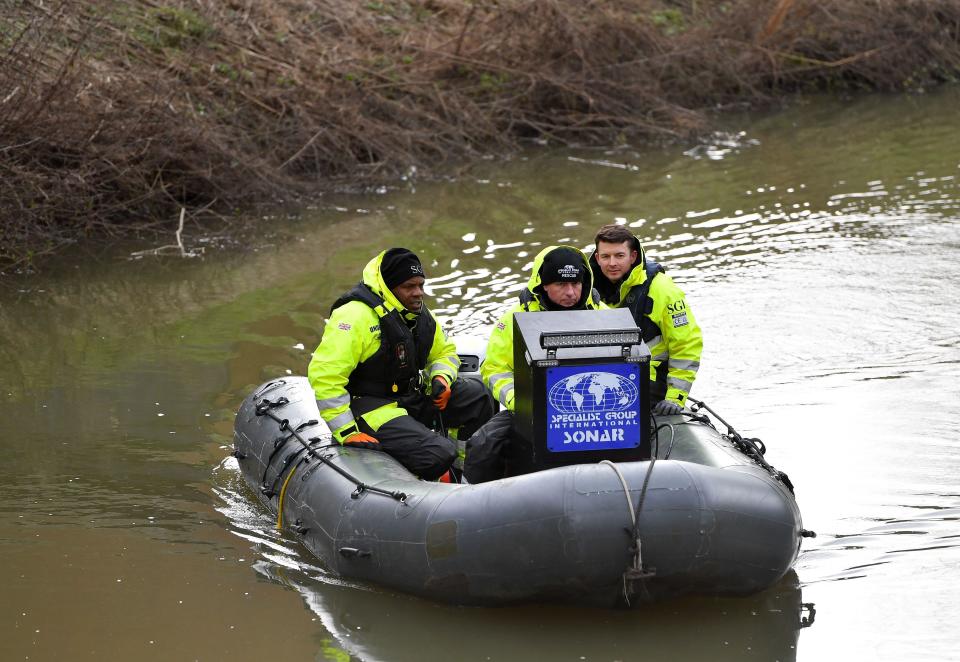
(593, 407)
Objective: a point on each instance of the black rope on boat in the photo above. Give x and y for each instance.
(699, 418)
(271, 491)
(749, 446)
(673, 439)
(264, 409)
(313, 467)
(278, 444)
(654, 433)
(637, 571)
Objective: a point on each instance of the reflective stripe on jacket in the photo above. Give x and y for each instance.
(497, 367)
(351, 337)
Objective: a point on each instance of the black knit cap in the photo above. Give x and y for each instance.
(398, 266)
(562, 265)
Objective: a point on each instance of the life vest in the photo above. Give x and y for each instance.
(394, 370)
(641, 305)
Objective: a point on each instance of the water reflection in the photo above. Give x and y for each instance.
(764, 628)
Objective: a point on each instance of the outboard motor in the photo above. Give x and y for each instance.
(581, 381)
(471, 351)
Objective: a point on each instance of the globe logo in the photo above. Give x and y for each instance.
(593, 392)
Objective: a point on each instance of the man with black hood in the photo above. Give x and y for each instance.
(368, 372)
(560, 280)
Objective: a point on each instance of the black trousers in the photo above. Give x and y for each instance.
(413, 440)
(496, 451)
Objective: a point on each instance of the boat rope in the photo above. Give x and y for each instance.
(265, 407)
(635, 572)
(673, 439)
(749, 446)
(278, 445)
(623, 482)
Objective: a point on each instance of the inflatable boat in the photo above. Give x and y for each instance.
(704, 515)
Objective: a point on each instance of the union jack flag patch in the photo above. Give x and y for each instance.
(501, 326)
(344, 326)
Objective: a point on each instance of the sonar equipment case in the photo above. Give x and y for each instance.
(591, 370)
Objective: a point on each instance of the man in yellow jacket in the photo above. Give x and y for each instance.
(625, 278)
(368, 372)
(560, 280)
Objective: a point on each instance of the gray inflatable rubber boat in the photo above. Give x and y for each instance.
(706, 516)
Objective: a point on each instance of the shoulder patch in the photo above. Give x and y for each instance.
(677, 306)
(501, 326)
(344, 326)
(679, 319)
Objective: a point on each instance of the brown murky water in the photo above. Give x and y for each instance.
(820, 250)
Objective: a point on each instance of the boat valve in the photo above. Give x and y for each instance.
(807, 621)
(807, 533)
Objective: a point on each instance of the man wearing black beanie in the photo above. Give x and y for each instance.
(399, 266)
(560, 280)
(368, 372)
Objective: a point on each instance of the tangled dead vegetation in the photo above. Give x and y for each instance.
(116, 115)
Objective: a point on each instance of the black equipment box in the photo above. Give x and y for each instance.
(581, 381)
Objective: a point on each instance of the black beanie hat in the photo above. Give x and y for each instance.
(562, 265)
(398, 266)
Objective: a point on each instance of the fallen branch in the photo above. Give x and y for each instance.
(163, 250)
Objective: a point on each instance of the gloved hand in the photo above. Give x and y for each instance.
(361, 440)
(440, 392)
(667, 408)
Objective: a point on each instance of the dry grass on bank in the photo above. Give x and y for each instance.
(114, 115)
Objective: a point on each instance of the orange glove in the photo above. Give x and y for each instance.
(361, 440)
(440, 392)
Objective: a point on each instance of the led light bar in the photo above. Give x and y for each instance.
(609, 337)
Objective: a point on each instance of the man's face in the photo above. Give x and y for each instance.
(410, 293)
(563, 293)
(615, 260)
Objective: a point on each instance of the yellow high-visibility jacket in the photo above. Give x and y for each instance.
(667, 323)
(497, 367)
(350, 340)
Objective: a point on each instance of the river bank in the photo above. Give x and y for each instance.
(125, 117)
